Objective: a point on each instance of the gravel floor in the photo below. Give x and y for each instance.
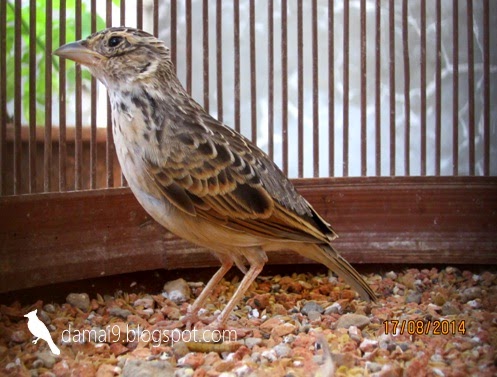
(428, 322)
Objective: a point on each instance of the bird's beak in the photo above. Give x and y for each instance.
(78, 52)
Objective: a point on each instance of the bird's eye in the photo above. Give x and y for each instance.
(114, 41)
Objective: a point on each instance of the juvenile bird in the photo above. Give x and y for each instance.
(195, 176)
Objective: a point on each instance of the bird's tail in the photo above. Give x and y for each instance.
(328, 256)
(55, 350)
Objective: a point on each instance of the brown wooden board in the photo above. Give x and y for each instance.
(57, 237)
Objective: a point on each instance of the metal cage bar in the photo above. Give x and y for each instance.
(408, 92)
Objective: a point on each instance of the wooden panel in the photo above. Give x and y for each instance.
(50, 238)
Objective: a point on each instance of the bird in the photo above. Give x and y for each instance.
(40, 331)
(194, 175)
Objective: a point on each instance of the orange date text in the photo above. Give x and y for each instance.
(420, 327)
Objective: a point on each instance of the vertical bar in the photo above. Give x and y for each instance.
(205, 36)
(391, 29)
(471, 89)
(315, 88)
(455, 88)
(32, 96)
(407, 87)
(174, 33)
(156, 18)
(438, 90)
(109, 144)
(346, 42)
(78, 150)
(300, 90)
(284, 85)
(219, 58)
(47, 149)
(139, 14)
(270, 54)
(3, 93)
(422, 87)
(377, 112)
(486, 87)
(122, 16)
(62, 101)
(93, 111)
(331, 87)
(17, 98)
(364, 167)
(253, 75)
(236, 21)
(189, 46)
(122, 8)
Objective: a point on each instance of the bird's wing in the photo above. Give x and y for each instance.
(207, 169)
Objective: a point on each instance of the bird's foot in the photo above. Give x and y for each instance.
(35, 340)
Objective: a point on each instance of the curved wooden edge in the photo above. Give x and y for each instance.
(57, 237)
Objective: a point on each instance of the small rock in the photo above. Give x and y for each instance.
(355, 334)
(119, 312)
(334, 308)
(118, 349)
(46, 358)
(177, 291)
(192, 360)
(312, 306)
(251, 342)
(147, 302)
(79, 300)
(49, 308)
(107, 370)
(391, 275)
(471, 293)
(184, 372)
(373, 367)
(368, 345)
(269, 355)
(19, 336)
(413, 297)
(43, 316)
(314, 316)
(351, 319)
(142, 368)
(180, 349)
(282, 350)
(450, 309)
(283, 329)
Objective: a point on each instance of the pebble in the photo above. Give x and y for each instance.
(391, 275)
(312, 306)
(368, 345)
(19, 336)
(355, 334)
(450, 309)
(192, 360)
(119, 312)
(46, 358)
(142, 368)
(351, 319)
(334, 308)
(282, 350)
(184, 372)
(107, 370)
(373, 367)
(147, 302)
(269, 355)
(314, 316)
(177, 291)
(79, 300)
(251, 342)
(283, 329)
(413, 297)
(471, 293)
(49, 308)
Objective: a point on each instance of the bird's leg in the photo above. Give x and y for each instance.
(191, 316)
(252, 273)
(36, 340)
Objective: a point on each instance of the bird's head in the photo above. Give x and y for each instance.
(121, 56)
(31, 314)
